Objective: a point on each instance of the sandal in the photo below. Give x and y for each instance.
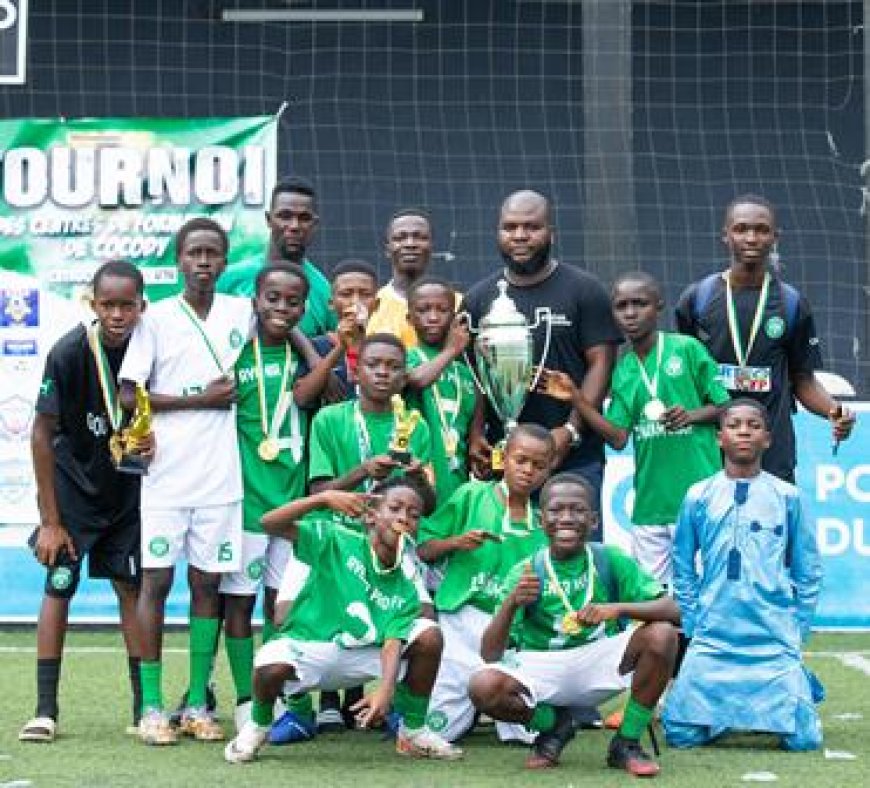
(39, 729)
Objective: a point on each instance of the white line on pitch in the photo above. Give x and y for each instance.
(856, 661)
(84, 650)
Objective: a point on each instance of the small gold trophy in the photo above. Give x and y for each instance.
(125, 446)
(404, 422)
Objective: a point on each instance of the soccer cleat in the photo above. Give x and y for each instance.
(330, 721)
(39, 729)
(423, 743)
(247, 744)
(613, 721)
(210, 704)
(629, 755)
(290, 728)
(200, 724)
(155, 729)
(548, 745)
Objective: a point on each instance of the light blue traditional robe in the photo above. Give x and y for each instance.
(743, 668)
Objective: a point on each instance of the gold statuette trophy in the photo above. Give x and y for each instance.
(404, 423)
(125, 446)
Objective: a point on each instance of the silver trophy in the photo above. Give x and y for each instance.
(504, 356)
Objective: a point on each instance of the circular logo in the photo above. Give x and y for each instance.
(254, 570)
(158, 546)
(436, 721)
(774, 327)
(674, 366)
(236, 338)
(61, 578)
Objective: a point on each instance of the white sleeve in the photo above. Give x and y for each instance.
(295, 574)
(141, 352)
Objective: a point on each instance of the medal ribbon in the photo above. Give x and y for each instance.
(448, 430)
(734, 327)
(400, 552)
(506, 524)
(197, 323)
(557, 586)
(363, 441)
(652, 385)
(104, 374)
(283, 403)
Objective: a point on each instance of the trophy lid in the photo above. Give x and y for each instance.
(503, 311)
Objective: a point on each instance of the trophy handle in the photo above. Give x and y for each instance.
(477, 382)
(543, 314)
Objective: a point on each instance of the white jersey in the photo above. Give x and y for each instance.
(196, 458)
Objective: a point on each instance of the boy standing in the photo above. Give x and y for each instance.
(665, 394)
(192, 496)
(442, 382)
(86, 506)
(367, 626)
(482, 531)
(751, 607)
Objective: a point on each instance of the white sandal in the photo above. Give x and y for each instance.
(39, 729)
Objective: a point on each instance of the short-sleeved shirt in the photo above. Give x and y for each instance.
(476, 577)
(348, 598)
(667, 462)
(391, 317)
(70, 391)
(268, 485)
(455, 393)
(780, 351)
(538, 627)
(239, 279)
(582, 318)
(196, 457)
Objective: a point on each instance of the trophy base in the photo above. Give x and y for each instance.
(401, 457)
(132, 464)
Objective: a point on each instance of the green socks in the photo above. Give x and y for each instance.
(151, 676)
(301, 705)
(261, 713)
(203, 637)
(240, 653)
(635, 720)
(269, 630)
(412, 707)
(543, 718)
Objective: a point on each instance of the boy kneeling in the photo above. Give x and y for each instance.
(357, 618)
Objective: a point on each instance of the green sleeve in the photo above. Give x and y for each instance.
(618, 410)
(313, 533)
(321, 462)
(632, 582)
(449, 520)
(421, 442)
(399, 626)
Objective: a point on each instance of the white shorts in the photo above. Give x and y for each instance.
(209, 537)
(651, 547)
(582, 676)
(327, 666)
(451, 712)
(263, 561)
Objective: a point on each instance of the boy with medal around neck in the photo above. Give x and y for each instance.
(762, 333)
(357, 617)
(272, 428)
(665, 395)
(184, 349)
(560, 618)
(440, 379)
(86, 507)
(478, 536)
(747, 576)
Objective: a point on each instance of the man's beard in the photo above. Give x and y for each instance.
(532, 266)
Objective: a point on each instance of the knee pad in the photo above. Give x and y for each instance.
(62, 581)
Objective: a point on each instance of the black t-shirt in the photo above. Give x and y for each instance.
(71, 392)
(784, 346)
(582, 318)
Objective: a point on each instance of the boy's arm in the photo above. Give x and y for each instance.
(52, 538)
(372, 709)
(284, 520)
(805, 565)
(219, 394)
(376, 468)
(662, 609)
(429, 371)
(685, 582)
(677, 417)
(497, 633)
(308, 390)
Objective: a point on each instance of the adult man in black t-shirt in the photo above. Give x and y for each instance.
(584, 336)
(85, 506)
(762, 332)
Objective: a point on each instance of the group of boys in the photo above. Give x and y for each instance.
(331, 465)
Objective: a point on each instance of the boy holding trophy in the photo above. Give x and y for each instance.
(86, 506)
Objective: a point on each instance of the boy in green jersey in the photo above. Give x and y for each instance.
(665, 393)
(271, 429)
(559, 612)
(367, 625)
(482, 531)
(442, 385)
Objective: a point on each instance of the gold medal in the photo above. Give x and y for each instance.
(570, 624)
(268, 449)
(116, 448)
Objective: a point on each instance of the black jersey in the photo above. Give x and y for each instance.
(786, 344)
(582, 318)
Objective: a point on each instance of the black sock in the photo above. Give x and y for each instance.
(47, 679)
(329, 700)
(682, 648)
(135, 687)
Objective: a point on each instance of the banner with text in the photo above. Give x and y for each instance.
(77, 193)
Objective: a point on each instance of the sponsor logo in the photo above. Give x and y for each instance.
(19, 307)
(774, 327)
(16, 417)
(158, 546)
(20, 347)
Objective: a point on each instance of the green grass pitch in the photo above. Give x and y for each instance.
(93, 749)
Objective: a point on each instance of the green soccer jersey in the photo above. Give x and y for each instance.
(476, 577)
(447, 406)
(539, 627)
(349, 598)
(239, 279)
(667, 463)
(268, 485)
